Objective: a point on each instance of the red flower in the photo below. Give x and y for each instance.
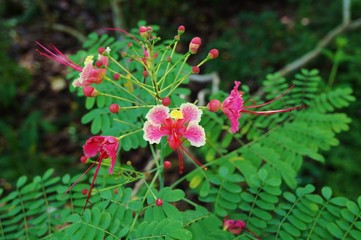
(232, 107)
(107, 147)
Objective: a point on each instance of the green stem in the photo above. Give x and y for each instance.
(124, 89)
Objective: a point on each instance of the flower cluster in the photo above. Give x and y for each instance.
(178, 124)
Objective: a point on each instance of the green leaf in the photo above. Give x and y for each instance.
(21, 181)
(326, 192)
(334, 230)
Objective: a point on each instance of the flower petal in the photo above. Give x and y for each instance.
(190, 112)
(91, 146)
(158, 114)
(232, 106)
(152, 133)
(110, 146)
(195, 134)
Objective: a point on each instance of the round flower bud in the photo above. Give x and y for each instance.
(116, 76)
(84, 191)
(213, 53)
(89, 91)
(168, 58)
(115, 191)
(159, 202)
(194, 45)
(123, 54)
(130, 44)
(214, 105)
(167, 164)
(83, 159)
(98, 64)
(145, 73)
(195, 69)
(114, 108)
(143, 31)
(101, 50)
(181, 29)
(166, 101)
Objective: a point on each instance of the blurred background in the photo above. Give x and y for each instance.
(40, 119)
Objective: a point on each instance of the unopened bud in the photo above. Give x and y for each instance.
(167, 164)
(159, 202)
(123, 54)
(166, 101)
(213, 53)
(143, 31)
(145, 73)
(89, 91)
(214, 105)
(84, 191)
(116, 76)
(101, 50)
(168, 58)
(130, 44)
(114, 108)
(194, 45)
(195, 69)
(83, 159)
(99, 64)
(181, 29)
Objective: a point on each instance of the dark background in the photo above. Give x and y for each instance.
(40, 119)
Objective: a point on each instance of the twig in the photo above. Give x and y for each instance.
(345, 26)
(69, 30)
(140, 183)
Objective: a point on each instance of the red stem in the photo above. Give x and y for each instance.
(76, 181)
(100, 159)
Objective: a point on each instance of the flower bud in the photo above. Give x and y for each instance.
(89, 91)
(159, 202)
(145, 73)
(214, 105)
(83, 159)
(114, 108)
(99, 64)
(143, 31)
(84, 191)
(101, 50)
(195, 69)
(166, 101)
(213, 53)
(123, 54)
(194, 45)
(130, 44)
(181, 29)
(167, 164)
(116, 76)
(168, 58)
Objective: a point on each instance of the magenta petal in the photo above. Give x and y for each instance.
(152, 133)
(195, 134)
(190, 112)
(91, 146)
(158, 114)
(232, 106)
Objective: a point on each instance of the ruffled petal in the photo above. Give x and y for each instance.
(232, 106)
(110, 146)
(152, 133)
(91, 146)
(158, 114)
(195, 134)
(191, 112)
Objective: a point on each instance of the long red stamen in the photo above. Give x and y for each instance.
(93, 181)
(55, 54)
(123, 31)
(274, 111)
(193, 158)
(271, 101)
(180, 160)
(76, 181)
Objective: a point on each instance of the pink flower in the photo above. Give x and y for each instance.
(89, 74)
(177, 126)
(233, 106)
(233, 226)
(107, 147)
